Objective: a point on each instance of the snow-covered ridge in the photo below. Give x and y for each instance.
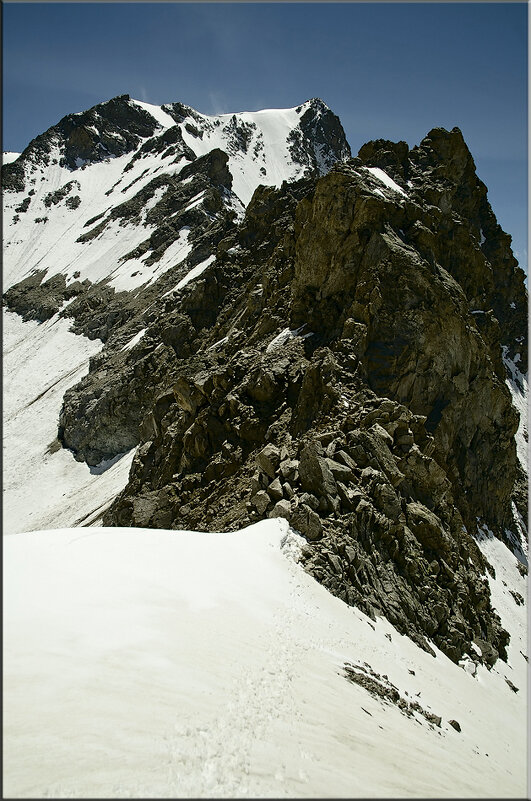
(258, 142)
(161, 116)
(162, 664)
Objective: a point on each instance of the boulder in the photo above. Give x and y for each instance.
(269, 459)
(275, 490)
(340, 472)
(307, 522)
(289, 469)
(310, 500)
(382, 434)
(347, 497)
(335, 563)
(375, 446)
(343, 457)
(258, 482)
(281, 509)
(426, 527)
(314, 473)
(489, 654)
(387, 501)
(187, 395)
(261, 501)
(288, 490)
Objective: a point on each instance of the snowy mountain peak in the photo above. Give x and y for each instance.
(144, 173)
(104, 131)
(281, 143)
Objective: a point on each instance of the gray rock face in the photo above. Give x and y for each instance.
(320, 140)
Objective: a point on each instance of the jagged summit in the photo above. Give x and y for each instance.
(441, 173)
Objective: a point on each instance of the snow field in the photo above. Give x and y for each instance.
(519, 389)
(508, 578)
(272, 127)
(149, 663)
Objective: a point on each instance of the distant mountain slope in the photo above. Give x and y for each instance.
(129, 178)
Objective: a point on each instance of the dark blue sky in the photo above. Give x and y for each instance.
(389, 70)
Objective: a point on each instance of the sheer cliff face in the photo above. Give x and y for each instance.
(336, 355)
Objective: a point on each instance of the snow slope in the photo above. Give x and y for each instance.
(43, 485)
(265, 157)
(148, 663)
(53, 245)
(266, 160)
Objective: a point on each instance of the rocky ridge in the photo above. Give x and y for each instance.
(337, 362)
